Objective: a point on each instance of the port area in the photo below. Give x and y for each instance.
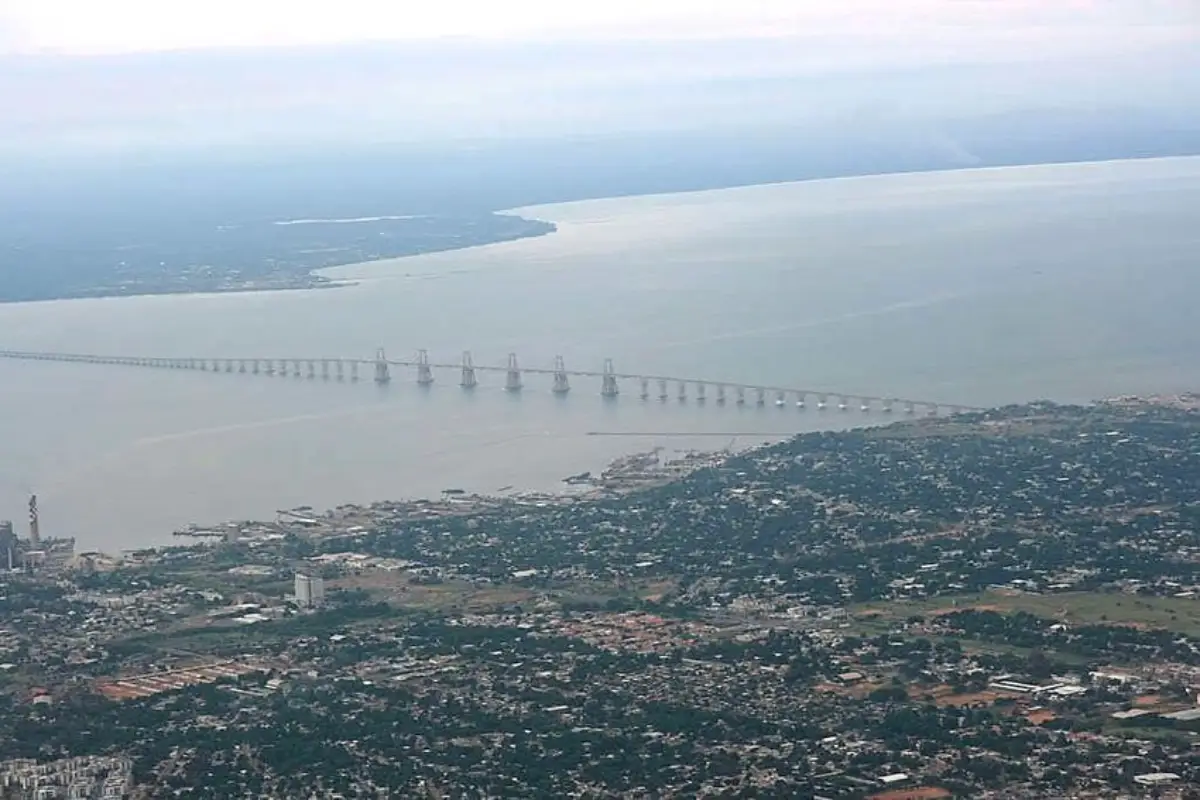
(627, 474)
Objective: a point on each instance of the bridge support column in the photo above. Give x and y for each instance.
(340, 368)
(325, 369)
(662, 391)
(781, 399)
(469, 381)
(242, 367)
(741, 395)
(562, 382)
(801, 400)
(312, 370)
(721, 394)
(296, 368)
(760, 397)
(683, 391)
(887, 405)
(608, 384)
(701, 393)
(866, 405)
(424, 371)
(512, 378)
(229, 365)
(645, 389)
(933, 410)
(909, 408)
(354, 372)
(843, 404)
(382, 373)
(254, 367)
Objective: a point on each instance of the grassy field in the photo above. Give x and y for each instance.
(1178, 614)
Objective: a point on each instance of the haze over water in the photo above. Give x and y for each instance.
(977, 287)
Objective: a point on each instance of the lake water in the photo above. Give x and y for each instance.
(976, 287)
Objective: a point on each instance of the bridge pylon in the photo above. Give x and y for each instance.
(469, 381)
(608, 384)
(562, 382)
(383, 373)
(512, 377)
(424, 371)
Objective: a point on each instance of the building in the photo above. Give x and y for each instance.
(310, 591)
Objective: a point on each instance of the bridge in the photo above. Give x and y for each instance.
(512, 375)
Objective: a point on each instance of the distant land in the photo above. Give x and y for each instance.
(234, 257)
(154, 223)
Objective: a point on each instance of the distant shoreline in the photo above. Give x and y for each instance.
(535, 214)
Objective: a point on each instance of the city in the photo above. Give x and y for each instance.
(937, 608)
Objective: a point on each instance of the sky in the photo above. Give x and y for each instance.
(155, 73)
(122, 26)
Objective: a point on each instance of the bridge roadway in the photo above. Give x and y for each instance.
(380, 369)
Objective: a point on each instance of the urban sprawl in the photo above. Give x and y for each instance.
(1002, 604)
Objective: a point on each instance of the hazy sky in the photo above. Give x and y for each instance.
(93, 73)
(116, 26)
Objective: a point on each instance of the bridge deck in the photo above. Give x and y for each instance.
(308, 366)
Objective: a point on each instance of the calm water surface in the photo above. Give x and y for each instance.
(981, 287)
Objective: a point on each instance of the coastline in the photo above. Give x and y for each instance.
(317, 277)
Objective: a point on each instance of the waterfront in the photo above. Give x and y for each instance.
(1068, 282)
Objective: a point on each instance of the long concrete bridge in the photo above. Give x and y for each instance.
(381, 369)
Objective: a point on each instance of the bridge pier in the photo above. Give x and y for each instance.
(645, 389)
(424, 371)
(325, 369)
(843, 404)
(910, 408)
(562, 382)
(760, 397)
(354, 372)
(311, 372)
(780, 399)
(701, 397)
(887, 405)
(683, 391)
(866, 405)
(608, 383)
(801, 401)
(933, 410)
(469, 380)
(382, 373)
(720, 394)
(741, 395)
(296, 368)
(512, 377)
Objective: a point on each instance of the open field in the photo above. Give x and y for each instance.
(1179, 614)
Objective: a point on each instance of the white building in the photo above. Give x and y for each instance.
(310, 591)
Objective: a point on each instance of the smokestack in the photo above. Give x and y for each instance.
(35, 537)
